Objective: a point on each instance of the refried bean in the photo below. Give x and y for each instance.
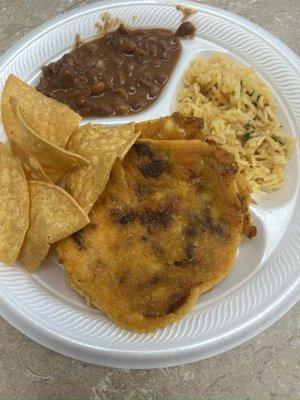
(120, 73)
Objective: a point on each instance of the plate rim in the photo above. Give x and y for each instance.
(140, 359)
(157, 358)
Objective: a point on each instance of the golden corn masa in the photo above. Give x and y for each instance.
(177, 126)
(165, 229)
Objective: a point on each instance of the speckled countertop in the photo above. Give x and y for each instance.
(263, 368)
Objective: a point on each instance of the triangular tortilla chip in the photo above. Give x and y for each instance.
(54, 160)
(52, 120)
(101, 145)
(32, 168)
(53, 215)
(14, 205)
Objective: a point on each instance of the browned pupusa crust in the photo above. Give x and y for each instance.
(165, 229)
(173, 127)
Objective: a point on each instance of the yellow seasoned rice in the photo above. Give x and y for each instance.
(240, 114)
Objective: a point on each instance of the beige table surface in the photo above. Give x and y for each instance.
(263, 368)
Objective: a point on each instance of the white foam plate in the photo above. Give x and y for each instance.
(264, 282)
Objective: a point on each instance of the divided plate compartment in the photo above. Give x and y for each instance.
(263, 282)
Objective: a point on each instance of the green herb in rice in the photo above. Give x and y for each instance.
(226, 109)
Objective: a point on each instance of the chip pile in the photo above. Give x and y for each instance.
(34, 211)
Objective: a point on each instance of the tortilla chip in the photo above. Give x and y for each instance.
(52, 120)
(54, 160)
(53, 215)
(101, 145)
(14, 205)
(32, 168)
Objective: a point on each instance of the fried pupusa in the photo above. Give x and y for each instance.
(174, 127)
(165, 229)
(177, 127)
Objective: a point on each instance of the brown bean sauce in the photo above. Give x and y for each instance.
(120, 73)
